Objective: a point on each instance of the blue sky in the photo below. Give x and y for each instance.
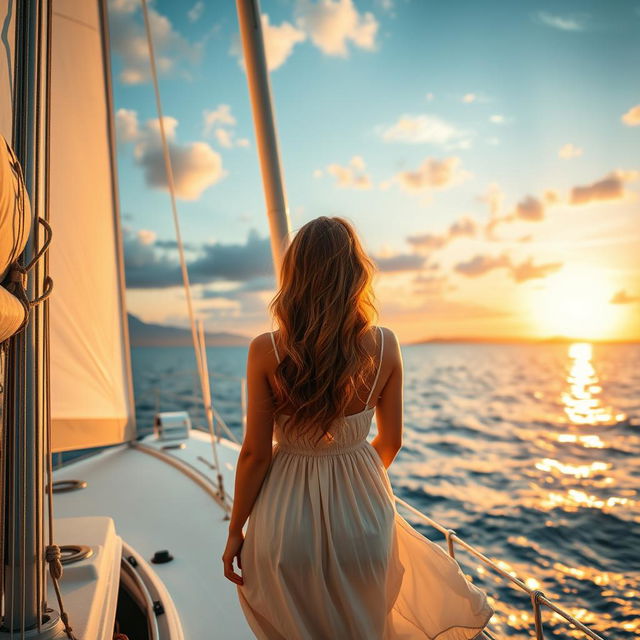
(488, 153)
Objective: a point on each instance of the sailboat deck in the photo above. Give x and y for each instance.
(163, 499)
(158, 506)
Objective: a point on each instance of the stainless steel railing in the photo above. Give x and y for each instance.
(537, 597)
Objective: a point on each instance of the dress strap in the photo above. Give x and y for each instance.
(375, 380)
(275, 349)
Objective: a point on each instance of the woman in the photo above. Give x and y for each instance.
(326, 556)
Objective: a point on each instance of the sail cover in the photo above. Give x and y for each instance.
(91, 394)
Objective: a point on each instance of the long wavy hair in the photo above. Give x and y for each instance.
(324, 308)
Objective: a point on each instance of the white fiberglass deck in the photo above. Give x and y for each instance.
(157, 506)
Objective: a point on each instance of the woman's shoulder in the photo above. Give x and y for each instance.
(389, 335)
(261, 352)
(261, 342)
(262, 338)
(391, 343)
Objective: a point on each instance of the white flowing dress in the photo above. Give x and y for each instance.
(326, 555)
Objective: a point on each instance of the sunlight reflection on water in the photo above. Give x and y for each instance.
(581, 402)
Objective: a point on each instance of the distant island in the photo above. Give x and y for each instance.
(143, 334)
(517, 340)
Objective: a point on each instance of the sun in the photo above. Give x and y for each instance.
(575, 303)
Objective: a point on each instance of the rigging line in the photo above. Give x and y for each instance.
(206, 389)
(171, 183)
(176, 221)
(3, 401)
(52, 555)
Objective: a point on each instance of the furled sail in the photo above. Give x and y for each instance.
(15, 223)
(91, 393)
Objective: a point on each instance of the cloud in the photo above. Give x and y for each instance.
(573, 22)
(334, 24)
(146, 237)
(227, 139)
(219, 116)
(480, 264)
(551, 197)
(610, 187)
(432, 174)
(256, 285)
(279, 41)
(331, 25)
(224, 138)
(425, 129)
(126, 125)
(463, 227)
(533, 209)
(150, 266)
(399, 262)
(527, 270)
(172, 244)
(494, 197)
(428, 242)
(235, 262)
(474, 97)
(129, 42)
(353, 176)
(431, 285)
(386, 5)
(632, 117)
(569, 151)
(195, 13)
(622, 297)
(145, 267)
(530, 209)
(219, 123)
(196, 166)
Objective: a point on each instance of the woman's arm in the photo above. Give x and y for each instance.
(255, 456)
(388, 440)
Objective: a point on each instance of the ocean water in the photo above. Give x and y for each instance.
(531, 453)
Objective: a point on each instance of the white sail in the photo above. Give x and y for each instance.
(90, 371)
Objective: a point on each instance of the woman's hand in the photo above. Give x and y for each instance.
(231, 551)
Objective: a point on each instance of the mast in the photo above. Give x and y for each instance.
(23, 583)
(265, 128)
